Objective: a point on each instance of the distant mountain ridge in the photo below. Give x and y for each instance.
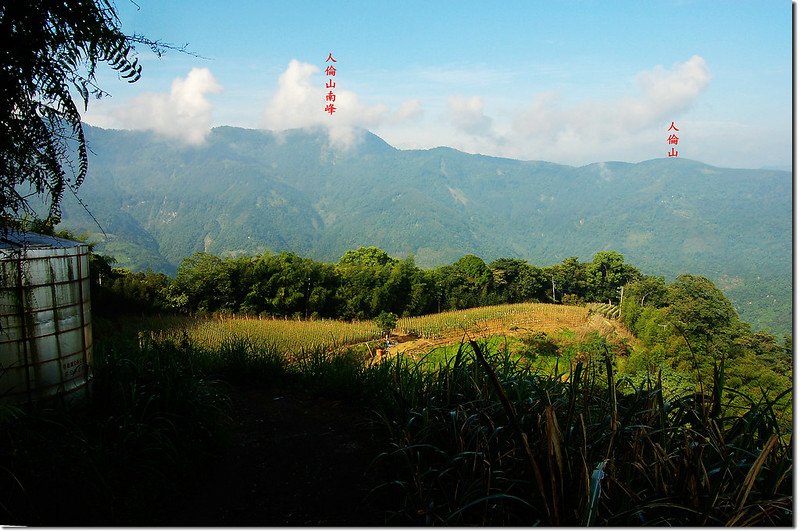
(249, 191)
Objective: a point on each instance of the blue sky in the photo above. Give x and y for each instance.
(569, 82)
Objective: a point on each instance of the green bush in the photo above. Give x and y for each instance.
(386, 322)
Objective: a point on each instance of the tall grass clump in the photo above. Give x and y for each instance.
(244, 361)
(162, 392)
(486, 440)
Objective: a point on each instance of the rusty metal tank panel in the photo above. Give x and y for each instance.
(45, 317)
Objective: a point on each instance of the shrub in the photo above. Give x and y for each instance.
(386, 322)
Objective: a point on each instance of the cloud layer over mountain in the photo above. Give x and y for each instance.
(630, 125)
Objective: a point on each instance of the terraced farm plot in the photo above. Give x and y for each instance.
(448, 327)
(607, 310)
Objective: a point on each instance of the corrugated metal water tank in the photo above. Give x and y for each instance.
(45, 317)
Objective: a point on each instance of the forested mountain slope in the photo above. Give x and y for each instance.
(248, 191)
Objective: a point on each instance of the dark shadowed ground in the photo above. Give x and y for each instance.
(293, 460)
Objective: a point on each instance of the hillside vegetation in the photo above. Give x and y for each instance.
(249, 191)
(686, 329)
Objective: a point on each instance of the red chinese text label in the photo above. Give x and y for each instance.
(330, 98)
(672, 140)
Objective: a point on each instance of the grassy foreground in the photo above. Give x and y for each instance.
(476, 439)
(484, 441)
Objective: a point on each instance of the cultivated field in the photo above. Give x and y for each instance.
(411, 335)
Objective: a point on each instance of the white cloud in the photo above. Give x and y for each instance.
(299, 102)
(675, 91)
(664, 95)
(291, 106)
(628, 128)
(551, 126)
(409, 110)
(467, 115)
(183, 114)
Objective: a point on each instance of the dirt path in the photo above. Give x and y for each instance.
(293, 461)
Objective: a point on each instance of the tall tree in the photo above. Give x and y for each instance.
(473, 282)
(367, 256)
(699, 306)
(606, 274)
(49, 54)
(568, 277)
(702, 313)
(203, 282)
(515, 281)
(649, 291)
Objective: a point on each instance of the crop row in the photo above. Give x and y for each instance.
(605, 309)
